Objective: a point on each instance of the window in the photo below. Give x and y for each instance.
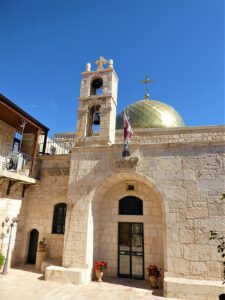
(130, 205)
(59, 217)
(17, 142)
(130, 187)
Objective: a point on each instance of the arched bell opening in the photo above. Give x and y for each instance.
(96, 86)
(94, 120)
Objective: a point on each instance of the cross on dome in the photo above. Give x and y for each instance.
(146, 81)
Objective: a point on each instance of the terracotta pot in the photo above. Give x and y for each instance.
(99, 275)
(154, 282)
(222, 297)
(41, 248)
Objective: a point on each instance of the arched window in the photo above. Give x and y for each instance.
(59, 217)
(130, 205)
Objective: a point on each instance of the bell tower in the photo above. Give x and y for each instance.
(97, 104)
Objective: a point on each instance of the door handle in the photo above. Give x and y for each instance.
(137, 254)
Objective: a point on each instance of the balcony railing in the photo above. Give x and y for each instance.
(18, 162)
(60, 144)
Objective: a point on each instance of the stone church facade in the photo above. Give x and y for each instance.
(156, 206)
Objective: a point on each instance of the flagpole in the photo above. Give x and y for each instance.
(127, 135)
(126, 152)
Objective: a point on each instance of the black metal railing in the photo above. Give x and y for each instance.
(59, 144)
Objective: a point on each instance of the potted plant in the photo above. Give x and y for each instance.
(100, 266)
(154, 274)
(42, 245)
(2, 260)
(220, 249)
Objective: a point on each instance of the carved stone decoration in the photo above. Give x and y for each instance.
(58, 171)
(110, 63)
(125, 163)
(88, 67)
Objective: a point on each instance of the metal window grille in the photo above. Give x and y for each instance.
(59, 217)
(130, 205)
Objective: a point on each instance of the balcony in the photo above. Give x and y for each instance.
(17, 167)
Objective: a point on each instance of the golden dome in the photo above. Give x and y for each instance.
(150, 113)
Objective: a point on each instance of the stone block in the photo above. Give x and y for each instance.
(68, 275)
(186, 236)
(197, 268)
(194, 213)
(192, 289)
(196, 252)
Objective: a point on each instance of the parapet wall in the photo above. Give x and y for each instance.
(175, 135)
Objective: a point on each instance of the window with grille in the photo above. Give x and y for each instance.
(130, 205)
(59, 217)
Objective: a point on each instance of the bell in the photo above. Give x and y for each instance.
(96, 118)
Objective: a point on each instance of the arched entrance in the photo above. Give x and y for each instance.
(33, 243)
(129, 230)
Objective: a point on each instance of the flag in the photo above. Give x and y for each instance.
(127, 128)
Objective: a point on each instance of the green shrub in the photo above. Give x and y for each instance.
(2, 259)
(221, 244)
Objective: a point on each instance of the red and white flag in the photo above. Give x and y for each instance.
(128, 133)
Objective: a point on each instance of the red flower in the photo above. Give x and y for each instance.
(153, 270)
(101, 265)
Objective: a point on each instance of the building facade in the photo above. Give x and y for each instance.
(156, 206)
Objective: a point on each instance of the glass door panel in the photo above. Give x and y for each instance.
(124, 249)
(124, 265)
(131, 250)
(137, 266)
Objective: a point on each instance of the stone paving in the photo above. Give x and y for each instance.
(27, 284)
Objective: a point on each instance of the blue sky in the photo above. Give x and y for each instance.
(45, 45)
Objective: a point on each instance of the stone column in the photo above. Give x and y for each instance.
(76, 236)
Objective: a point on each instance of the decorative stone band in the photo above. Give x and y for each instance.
(58, 171)
(125, 163)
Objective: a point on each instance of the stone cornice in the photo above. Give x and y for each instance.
(176, 130)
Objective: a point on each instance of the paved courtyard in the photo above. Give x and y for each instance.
(27, 284)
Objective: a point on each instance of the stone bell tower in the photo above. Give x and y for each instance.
(97, 104)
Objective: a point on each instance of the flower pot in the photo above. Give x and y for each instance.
(99, 275)
(41, 248)
(222, 297)
(154, 282)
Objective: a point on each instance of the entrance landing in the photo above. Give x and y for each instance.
(21, 284)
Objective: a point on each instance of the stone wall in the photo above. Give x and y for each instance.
(187, 174)
(192, 181)
(10, 206)
(6, 138)
(38, 206)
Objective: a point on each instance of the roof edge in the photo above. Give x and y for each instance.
(21, 111)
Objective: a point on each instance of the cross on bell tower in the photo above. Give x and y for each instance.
(97, 104)
(102, 61)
